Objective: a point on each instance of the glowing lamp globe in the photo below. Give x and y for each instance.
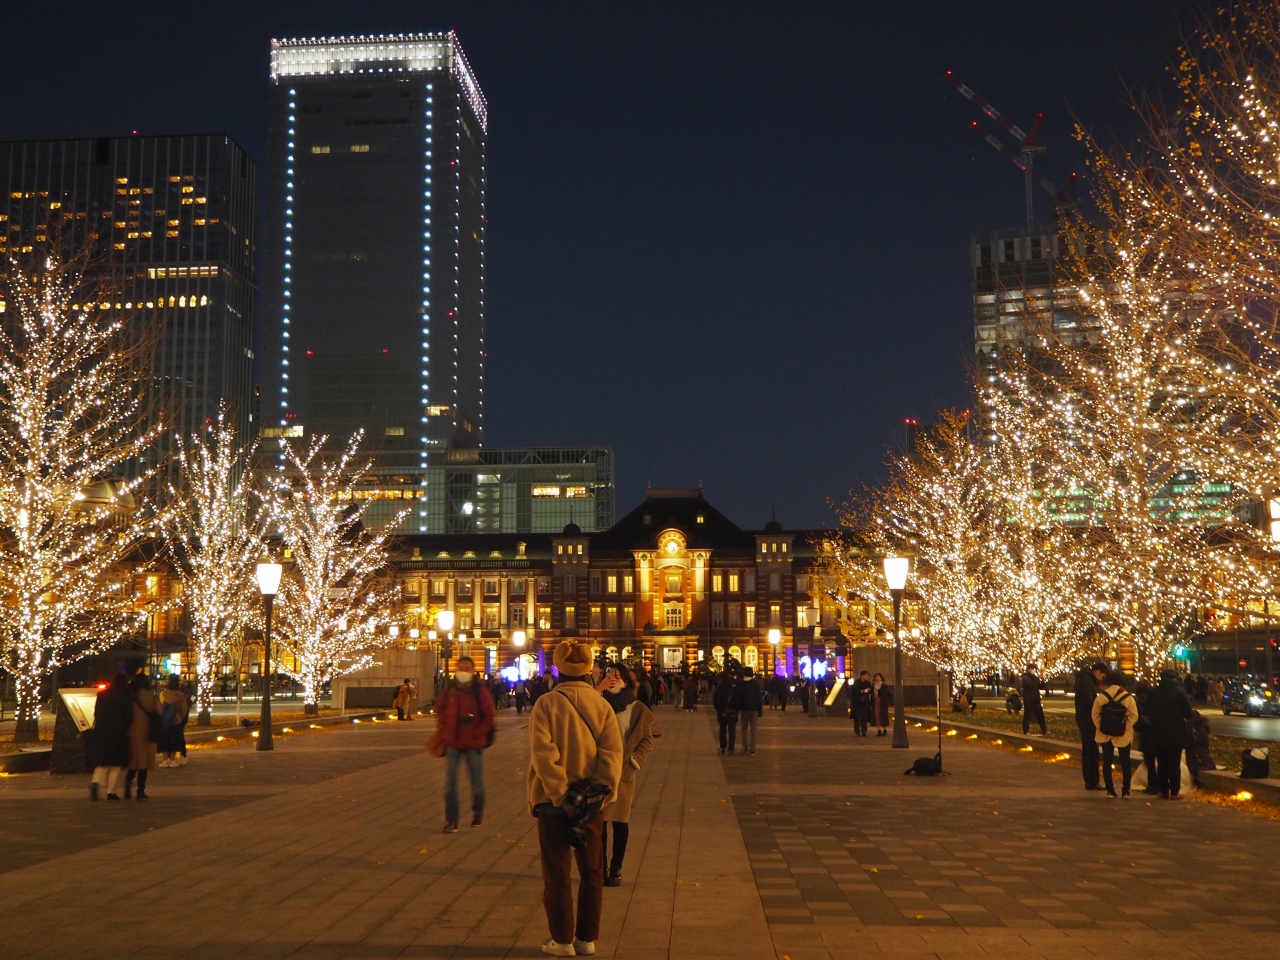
(895, 572)
(268, 575)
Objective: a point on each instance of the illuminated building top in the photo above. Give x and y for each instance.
(391, 53)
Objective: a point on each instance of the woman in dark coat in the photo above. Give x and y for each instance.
(690, 692)
(109, 737)
(881, 701)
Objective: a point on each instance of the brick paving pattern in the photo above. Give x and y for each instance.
(817, 847)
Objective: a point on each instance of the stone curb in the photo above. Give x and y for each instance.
(244, 733)
(1217, 781)
(36, 759)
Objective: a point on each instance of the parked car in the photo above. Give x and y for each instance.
(1250, 697)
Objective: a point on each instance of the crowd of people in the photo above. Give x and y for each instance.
(134, 731)
(1115, 715)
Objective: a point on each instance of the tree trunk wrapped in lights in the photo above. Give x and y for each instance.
(216, 544)
(337, 600)
(72, 424)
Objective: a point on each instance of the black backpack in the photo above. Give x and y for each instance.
(1254, 767)
(1114, 717)
(926, 766)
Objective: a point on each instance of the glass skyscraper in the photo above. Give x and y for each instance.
(375, 247)
(169, 223)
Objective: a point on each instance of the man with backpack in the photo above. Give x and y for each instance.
(575, 766)
(1114, 713)
(464, 716)
(1168, 715)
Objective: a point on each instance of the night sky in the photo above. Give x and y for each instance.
(729, 238)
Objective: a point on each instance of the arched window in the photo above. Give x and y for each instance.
(611, 654)
(717, 654)
(735, 653)
(751, 658)
(626, 653)
(595, 653)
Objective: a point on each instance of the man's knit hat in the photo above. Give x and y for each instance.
(572, 659)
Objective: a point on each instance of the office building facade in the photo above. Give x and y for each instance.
(497, 490)
(375, 247)
(169, 223)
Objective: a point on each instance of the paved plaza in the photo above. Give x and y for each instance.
(817, 847)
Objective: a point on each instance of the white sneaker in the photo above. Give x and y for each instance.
(180, 761)
(558, 949)
(164, 763)
(584, 948)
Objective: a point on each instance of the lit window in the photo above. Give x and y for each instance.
(674, 616)
(675, 583)
(628, 583)
(802, 616)
(437, 411)
(751, 617)
(393, 432)
(575, 491)
(188, 189)
(733, 583)
(751, 657)
(295, 430)
(359, 148)
(717, 582)
(544, 492)
(611, 580)
(320, 149)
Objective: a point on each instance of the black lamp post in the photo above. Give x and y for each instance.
(444, 621)
(268, 574)
(895, 572)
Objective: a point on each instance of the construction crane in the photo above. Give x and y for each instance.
(1028, 148)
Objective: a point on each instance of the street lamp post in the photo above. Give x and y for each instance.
(895, 573)
(444, 622)
(775, 640)
(268, 575)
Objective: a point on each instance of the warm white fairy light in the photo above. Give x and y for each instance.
(215, 545)
(337, 600)
(71, 422)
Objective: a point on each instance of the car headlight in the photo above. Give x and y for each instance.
(1256, 701)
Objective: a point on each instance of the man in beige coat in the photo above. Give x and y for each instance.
(573, 736)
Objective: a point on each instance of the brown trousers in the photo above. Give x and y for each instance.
(557, 880)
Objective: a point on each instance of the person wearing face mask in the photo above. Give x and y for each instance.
(465, 719)
(638, 728)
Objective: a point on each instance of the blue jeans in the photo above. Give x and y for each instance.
(475, 770)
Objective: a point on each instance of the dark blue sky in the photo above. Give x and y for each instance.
(727, 238)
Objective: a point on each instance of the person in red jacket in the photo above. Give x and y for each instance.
(465, 717)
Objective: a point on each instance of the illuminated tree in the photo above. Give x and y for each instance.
(216, 544)
(72, 424)
(337, 600)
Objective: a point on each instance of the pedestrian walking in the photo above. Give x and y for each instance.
(109, 737)
(174, 708)
(575, 767)
(1031, 707)
(522, 696)
(1115, 711)
(689, 692)
(726, 710)
(1086, 691)
(464, 721)
(750, 704)
(404, 697)
(1168, 714)
(860, 703)
(638, 728)
(881, 701)
(143, 730)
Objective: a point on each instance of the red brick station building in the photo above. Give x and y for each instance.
(674, 582)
